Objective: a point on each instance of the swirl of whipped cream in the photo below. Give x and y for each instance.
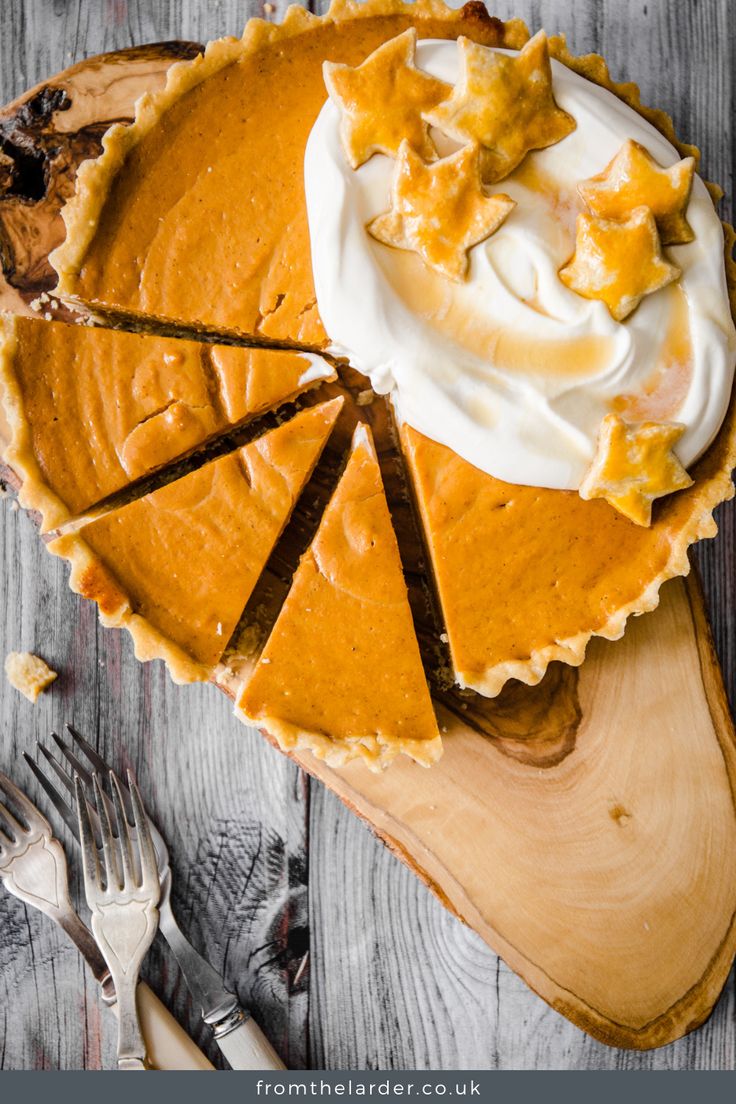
(511, 369)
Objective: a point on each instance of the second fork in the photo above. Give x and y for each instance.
(122, 899)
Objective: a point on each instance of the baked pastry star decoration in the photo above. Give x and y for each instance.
(382, 100)
(634, 179)
(618, 262)
(440, 210)
(634, 464)
(503, 103)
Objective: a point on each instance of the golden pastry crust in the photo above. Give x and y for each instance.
(634, 179)
(29, 674)
(635, 464)
(382, 101)
(91, 579)
(618, 263)
(34, 494)
(504, 104)
(440, 210)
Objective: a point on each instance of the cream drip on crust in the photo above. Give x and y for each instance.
(512, 369)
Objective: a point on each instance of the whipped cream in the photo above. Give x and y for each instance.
(511, 369)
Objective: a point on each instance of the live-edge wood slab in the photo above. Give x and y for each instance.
(585, 828)
(607, 879)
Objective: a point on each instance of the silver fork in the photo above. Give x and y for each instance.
(236, 1033)
(33, 868)
(122, 901)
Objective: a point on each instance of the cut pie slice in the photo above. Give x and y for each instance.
(93, 409)
(341, 672)
(215, 232)
(177, 567)
(526, 575)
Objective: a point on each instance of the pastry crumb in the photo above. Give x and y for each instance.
(28, 673)
(365, 398)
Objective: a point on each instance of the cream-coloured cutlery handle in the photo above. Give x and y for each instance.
(247, 1048)
(167, 1044)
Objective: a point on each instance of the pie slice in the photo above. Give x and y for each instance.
(341, 673)
(92, 409)
(526, 575)
(177, 567)
(214, 232)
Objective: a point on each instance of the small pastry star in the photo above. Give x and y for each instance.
(440, 211)
(635, 179)
(382, 101)
(618, 262)
(633, 465)
(503, 103)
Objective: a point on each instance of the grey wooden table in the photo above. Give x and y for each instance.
(346, 959)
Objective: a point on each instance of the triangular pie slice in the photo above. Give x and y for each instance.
(92, 409)
(176, 568)
(526, 575)
(341, 672)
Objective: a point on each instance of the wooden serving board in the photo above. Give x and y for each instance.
(585, 828)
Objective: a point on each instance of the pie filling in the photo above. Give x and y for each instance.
(177, 566)
(503, 242)
(94, 410)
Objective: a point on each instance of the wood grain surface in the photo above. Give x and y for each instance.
(347, 960)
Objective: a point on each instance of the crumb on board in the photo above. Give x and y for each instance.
(28, 673)
(365, 398)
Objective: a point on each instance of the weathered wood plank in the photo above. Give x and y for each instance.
(395, 981)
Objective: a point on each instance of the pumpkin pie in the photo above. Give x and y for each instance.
(341, 673)
(93, 409)
(166, 227)
(177, 566)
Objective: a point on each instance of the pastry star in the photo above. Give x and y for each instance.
(440, 211)
(634, 179)
(618, 262)
(505, 104)
(382, 101)
(633, 465)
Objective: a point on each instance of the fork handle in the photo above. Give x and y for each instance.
(167, 1044)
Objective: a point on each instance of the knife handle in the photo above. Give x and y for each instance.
(167, 1043)
(247, 1048)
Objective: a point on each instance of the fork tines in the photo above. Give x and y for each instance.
(125, 868)
(19, 818)
(63, 798)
